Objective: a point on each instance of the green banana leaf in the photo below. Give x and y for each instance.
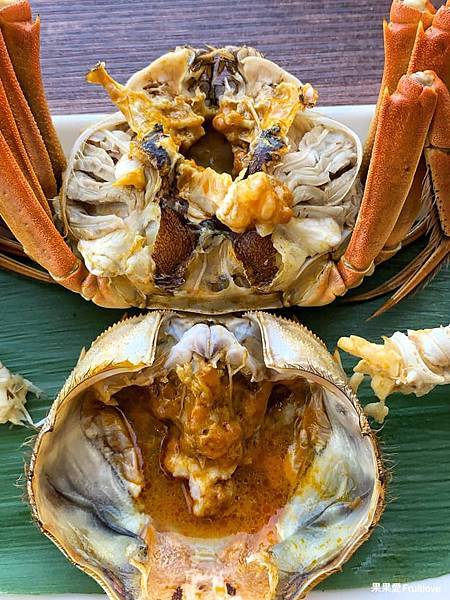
(42, 330)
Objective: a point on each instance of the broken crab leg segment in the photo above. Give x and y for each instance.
(408, 215)
(404, 120)
(414, 363)
(26, 124)
(23, 42)
(28, 221)
(432, 46)
(11, 134)
(399, 37)
(98, 289)
(329, 287)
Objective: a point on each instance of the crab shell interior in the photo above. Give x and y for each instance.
(166, 235)
(317, 494)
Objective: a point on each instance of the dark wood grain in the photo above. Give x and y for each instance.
(335, 45)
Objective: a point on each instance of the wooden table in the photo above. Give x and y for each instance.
(335, 45)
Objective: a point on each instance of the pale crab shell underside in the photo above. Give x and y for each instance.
(94, 521)
(115, 229)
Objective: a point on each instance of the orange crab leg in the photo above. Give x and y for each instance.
(11, 134)
(399, 37)
(408, 215)
(404, 120)
(431, 51)
(15, 266)
(35, 230)
(26, 124)
(431, 258)
(427, 263)
(437, 154)
(432, 46)
(29, 222)
(22, 38)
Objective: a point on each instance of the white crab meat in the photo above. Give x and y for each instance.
(411, 363)
(13, 397)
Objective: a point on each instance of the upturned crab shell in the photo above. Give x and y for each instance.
(141, 210)
(90, 486)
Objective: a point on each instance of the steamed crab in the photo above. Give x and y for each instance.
(198, 457)
(215, 189)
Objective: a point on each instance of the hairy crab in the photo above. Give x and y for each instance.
(155, 477)
(215, 190)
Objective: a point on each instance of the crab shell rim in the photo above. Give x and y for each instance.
(79, 381)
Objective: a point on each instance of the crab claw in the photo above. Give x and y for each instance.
(399, 37)
(396, 153)
(22, 38)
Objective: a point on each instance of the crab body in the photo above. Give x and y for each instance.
(194, 237)
(217, 189)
